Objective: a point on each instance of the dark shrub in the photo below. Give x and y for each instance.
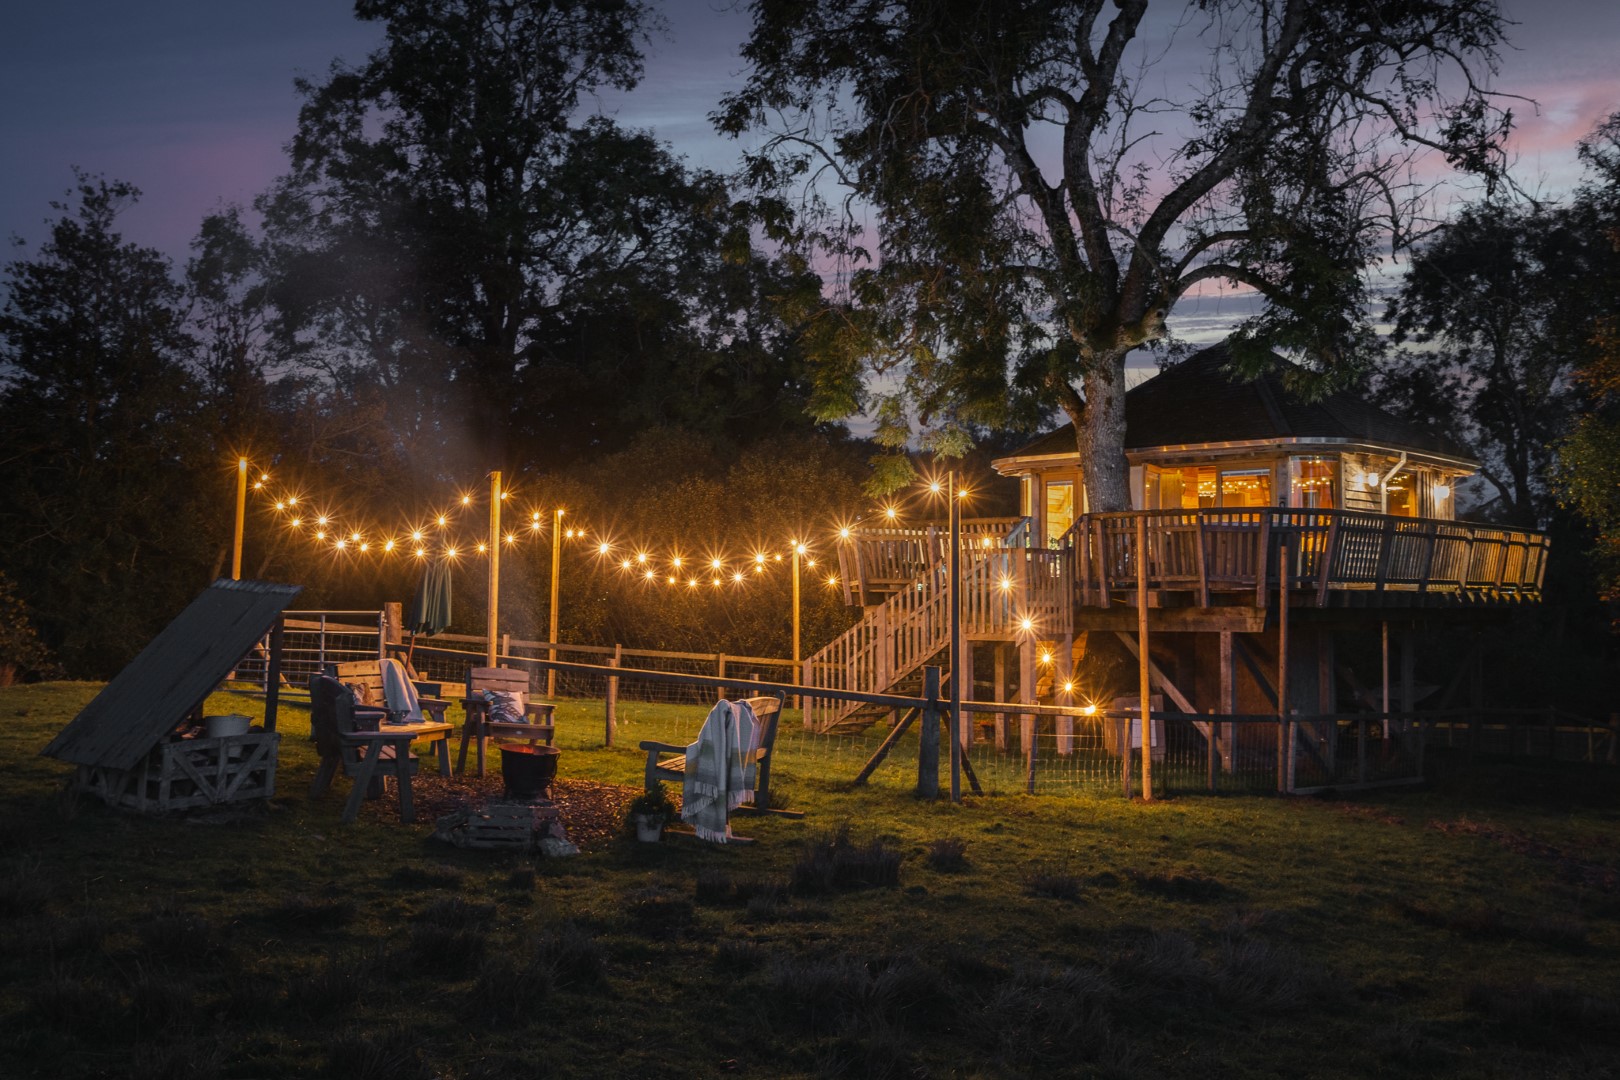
(833, 863)
(1179, 886)
(948, 854)
(1053, 886)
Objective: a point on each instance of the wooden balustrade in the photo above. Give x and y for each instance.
(1331, 551)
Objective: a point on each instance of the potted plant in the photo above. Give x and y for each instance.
(649, 811)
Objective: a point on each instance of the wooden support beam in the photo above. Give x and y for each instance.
(1000, 691)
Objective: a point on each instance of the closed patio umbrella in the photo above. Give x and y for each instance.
(430, 607)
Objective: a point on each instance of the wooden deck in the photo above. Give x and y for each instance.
(1344, 557)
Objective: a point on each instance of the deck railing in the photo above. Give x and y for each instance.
(1329, 551)
(874, 561)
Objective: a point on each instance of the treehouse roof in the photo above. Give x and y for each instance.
(1200, 403)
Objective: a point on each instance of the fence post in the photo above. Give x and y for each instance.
(1361, 749)
(1029, 760)
(1210, 743)
(321, 649)
(1285, 724)
(612, 697)
(928, 737)
(1125, 750)
(720, 673)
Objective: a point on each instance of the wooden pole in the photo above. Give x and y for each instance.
(241, 516)
(928, 737)
(1385, 724)
(556, 582)
(1285, 726)
(492, 624)
(1143, 681)
(798, 663)
(1229, 697)
(612, 696)
(957, 670)
(272, 672)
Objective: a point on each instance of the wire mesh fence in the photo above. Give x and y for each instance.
(310, 641)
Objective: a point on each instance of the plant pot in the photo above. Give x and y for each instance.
(649, 827)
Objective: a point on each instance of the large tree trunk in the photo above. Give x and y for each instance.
(1101, 436)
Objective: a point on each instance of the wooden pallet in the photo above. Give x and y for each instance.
(512, 826)
(190, 773)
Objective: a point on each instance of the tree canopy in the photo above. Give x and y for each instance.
(1043, 196)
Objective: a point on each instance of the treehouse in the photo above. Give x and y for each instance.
(1246, 499)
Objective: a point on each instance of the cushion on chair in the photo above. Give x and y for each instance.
(506, 706)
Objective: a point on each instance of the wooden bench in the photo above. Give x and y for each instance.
(368, 674)
(666, 761)
(540, 725)
(359, 740)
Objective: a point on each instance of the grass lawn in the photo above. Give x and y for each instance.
(1471, 931)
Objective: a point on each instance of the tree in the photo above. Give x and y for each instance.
(108, 453)
(508, 276)
(1044, 197)
(1502, 299)
(1590, 476)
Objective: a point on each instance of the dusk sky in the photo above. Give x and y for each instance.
(192, 100)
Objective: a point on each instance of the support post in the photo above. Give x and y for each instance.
(719, 673)
(1384, 631)
(241, 517)
(957, 673)
(492, 622)
(1001, 695)
(798, 700)
(1229, 697)
(556, 592)
(928, 737)
(1285, 720)
(272, 673)
(1143, 675)
(611, 697)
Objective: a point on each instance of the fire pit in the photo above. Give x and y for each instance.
(529, 771)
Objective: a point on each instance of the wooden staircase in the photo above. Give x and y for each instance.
(1001, 587)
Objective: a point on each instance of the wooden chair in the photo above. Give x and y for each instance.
(335, 719)
(666, 761)
(368, 673)
(540, 725)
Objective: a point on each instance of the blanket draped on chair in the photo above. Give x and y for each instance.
(399, 693)
(717, 781)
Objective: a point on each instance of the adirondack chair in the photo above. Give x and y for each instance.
(334, 719)
(667, 761)
(368, 673)
(539, 726)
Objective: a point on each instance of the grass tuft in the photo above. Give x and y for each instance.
(387, 1054)
(948, 854)
(308, 913)
(424, 877)
(1179, 886)
(834, 863)
(1053, 886)
(1539, 1014)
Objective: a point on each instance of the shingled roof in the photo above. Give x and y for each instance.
(172, 675)
(1199, 401)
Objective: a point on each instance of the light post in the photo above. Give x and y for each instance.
(556, 580)
(957, 666)
(798, 550)
(492, 623)
(241, 513)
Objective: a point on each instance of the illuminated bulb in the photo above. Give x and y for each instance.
(934, 487)
(778, 556)
(320, 535)
(341, 543)
(691, 583)
(570, 534)
(355, 537)
(672, 579)
(482, 549)
(811, 562)
(421, 553)
(264, 478)
(365, 547)
(602, 549)
(417, 535)
(511, 538)
(625, 565)
(561, 512)
(442, 521)
(650, 575)
(1027, 624)
(296, 522)
(1441, 491)
(534, 526)
(843, 534)
(737, 576)
(321, 520)
(675, 562)
(389, 546)
(1046, 658)
(759, 556)
(889, 512)
(280, 505)
(292, 500)
(1006, 583)
(961, 493)
(831, 580)
(714, 564)
(760, 569)
(716, 581)
(535, 516)
(450, 553)
(504, 494)
(1090, 710)
(641, 557)
(466, 500)
(1068, 688)
(799, 548)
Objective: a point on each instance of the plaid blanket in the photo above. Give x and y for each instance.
(716, 781)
